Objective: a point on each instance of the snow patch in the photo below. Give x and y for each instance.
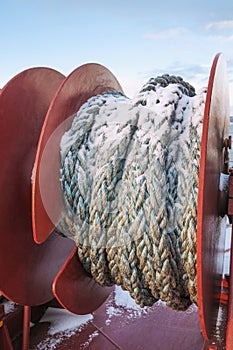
(123, 298)
(33, 174)
(223, 182)
(49, 344)
(227, 256)
(90, 339)
(8, 306)
(123, 305)
(62, 320)
(63, 324)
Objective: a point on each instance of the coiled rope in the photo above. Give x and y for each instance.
(129, 175)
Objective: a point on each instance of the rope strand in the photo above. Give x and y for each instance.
(129, 174)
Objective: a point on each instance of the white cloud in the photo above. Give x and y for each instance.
(166, 34)
(221, 37)
(196, 74)
(220, 25)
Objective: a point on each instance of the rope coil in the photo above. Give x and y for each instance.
(129, 175)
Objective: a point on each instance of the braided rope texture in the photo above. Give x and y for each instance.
(129, 175)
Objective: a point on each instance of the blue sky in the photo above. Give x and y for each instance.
(134, 39)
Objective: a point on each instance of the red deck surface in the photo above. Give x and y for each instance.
(114, 327)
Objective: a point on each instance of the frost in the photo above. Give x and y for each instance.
(63, 324)
(61, 320)
(8, 306)
(90, 339)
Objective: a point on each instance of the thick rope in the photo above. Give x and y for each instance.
(129, 173)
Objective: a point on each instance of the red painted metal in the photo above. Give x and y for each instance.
(27, 270)
(230, 196)
(230, 206)
(47, 203)
(211, 202)
(72, 287)
(209, 345)
(26, 327)
(76, 290)
(231, 186)
(14, 322)
(115, 327)
(229, 331)
(5, 340)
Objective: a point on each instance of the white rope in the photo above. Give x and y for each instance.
(129, 172)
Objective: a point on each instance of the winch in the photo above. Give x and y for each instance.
(98, 189)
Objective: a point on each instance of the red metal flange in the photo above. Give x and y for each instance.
(82, 294)
(27, 270)
(47, 200)
(211, 201)
(73, 287)
(229, 330)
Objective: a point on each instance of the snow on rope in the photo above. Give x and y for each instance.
(129, 175)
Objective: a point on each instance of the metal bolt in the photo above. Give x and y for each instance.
(227, 142)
